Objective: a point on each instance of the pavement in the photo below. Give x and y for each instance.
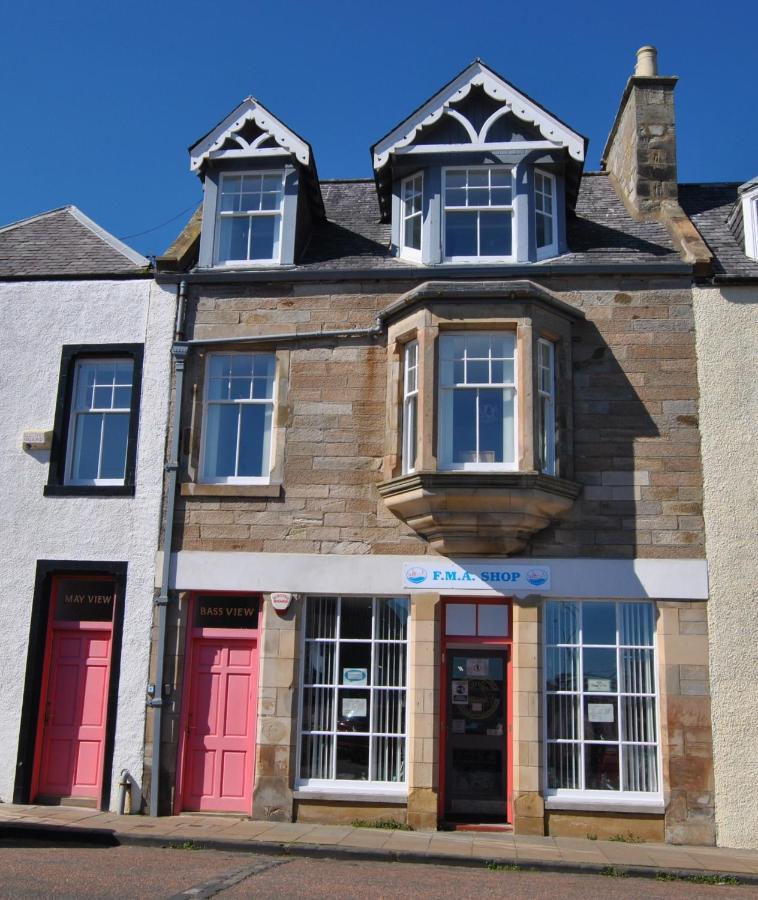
(74, 825)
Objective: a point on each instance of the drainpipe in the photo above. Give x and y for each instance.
(156, 691)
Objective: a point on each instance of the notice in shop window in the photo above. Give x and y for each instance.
(600, 712)
(460, 691)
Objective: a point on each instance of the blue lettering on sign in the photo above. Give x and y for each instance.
(436, 576)
(451, 576)
(485, 576)
(466, 577)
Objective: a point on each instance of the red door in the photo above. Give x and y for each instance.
(220, 726)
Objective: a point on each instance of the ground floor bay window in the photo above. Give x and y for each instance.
(353, 693)
(601, 717)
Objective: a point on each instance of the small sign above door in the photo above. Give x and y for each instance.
(84, 600)
(226, 611)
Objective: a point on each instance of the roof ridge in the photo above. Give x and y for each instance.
(42, 215)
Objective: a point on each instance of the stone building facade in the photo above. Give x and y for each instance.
(435, 488)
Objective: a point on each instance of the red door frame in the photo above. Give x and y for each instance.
(480, 643)
(197, 634)
(53, 626)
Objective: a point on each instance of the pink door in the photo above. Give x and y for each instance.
(220, 726)
(73, 736)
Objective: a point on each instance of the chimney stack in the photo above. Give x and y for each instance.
(640, 152)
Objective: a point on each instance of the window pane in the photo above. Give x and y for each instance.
(460, 618)
(354, 659)
(233, 235)
(562, 623)
(389, 759)
(563, 716)
(316, 757)
(389, 712)
(544, 230)
(392, 619)
(639, 719)
(265, 232)
(640, 768)
(87, 447)
(601, 767)
(321, 617)
(319, 662)
(562, 668)
(239, 388)
(637, 676)
(318, 709)
(493, 620)
(352, 758)
(601, 721)
(255, 439)
(599, 623)
(115, 437)
(413, 233)
(390, 664)
(637, 624)
(491, 425)
(221, 440)
(477, 371)
(503, 344)
(353, 711)
(495, 234)
(563, 766)
(460, 234)
(355, 617)
(85, 381)
(122, 397)
(599, 670)
(464, 426)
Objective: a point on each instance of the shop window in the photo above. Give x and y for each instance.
(249, 218)
(353, 704)
(237, 418)
(601, 699)
(477, 401)
(96, 420)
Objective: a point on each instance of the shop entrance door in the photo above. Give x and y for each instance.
(476, 735)
(73, 714)
(218, 751)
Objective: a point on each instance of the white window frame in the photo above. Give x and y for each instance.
(342, 785)
(408, 190)
(599, 798)
(750, 223)
(546, 406)
(550, 249)
(510, 208)
(410, 407)
(276, 214)
(272, 402)
(104, 411)
(444, 399)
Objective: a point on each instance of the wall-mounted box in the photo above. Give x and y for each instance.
(37, 439)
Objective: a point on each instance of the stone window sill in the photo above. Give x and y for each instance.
(194, 489)
(625, 805)
(352, 796)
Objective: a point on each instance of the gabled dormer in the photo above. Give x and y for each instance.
(261, 190)
(479, 174)
(743, 220)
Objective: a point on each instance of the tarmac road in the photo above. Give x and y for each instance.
(35, 869)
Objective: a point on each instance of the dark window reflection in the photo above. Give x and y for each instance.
(601, 768)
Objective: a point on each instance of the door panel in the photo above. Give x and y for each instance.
(73, 739)
(220, 738)
(476, 740)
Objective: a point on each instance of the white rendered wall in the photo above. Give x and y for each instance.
(38, 319)
(727, 347)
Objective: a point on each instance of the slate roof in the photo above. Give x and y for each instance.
(709, 206)
(601, 232)
(64, 242)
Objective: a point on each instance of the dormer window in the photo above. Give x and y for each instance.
(750, 219)
(250, 217)
(412, 195)
(478, 214)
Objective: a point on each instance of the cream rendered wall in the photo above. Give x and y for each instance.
(726, 322)
(37, 319)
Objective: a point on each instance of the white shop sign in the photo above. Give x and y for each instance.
(476, 577)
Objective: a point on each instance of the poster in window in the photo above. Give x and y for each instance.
(600, 712)
(478, 668)
(460, 691)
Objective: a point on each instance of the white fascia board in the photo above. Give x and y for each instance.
(477, 75)
(303, 573)
(249, 109)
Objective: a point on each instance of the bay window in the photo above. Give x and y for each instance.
(478, 213)
(249, 217)
(477, 400)
(353, 700)
(410, 406)
(546, 406)
(601, 699)
(237, 417)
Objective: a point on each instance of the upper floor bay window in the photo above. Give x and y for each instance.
(478, 214)
(411, 199)
(410, 406)
(98, 431)
(601, 699)
(237, 418)
(477, 401)
(544, 214)
(249, 217)
(546, 406)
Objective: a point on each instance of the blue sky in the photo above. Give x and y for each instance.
(101, 100)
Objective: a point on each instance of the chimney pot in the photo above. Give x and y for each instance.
(647, 62)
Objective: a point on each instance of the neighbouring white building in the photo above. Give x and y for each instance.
(83, 411)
